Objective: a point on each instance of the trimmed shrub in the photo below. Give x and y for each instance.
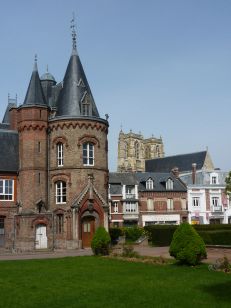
(115, 233)
(101, 242)
(133, 233)
(187, 246)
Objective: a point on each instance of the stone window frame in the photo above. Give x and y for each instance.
(61, 192)
(137, 150)
(88, 150)
(60, 154)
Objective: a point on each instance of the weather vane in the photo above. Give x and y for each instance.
(73, 34)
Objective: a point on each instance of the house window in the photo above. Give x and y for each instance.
(59, 223)
(88, 154)
(215, 201)
(150, 205)
(183, 204)
(130, 192)
(130, 207)
(170, 204)
(214, 180)
(60, 154)
(169, 184)
(115, 206)
(149, 184)
(61, 192)
(137, 150)
(6, 190)
(196, 201)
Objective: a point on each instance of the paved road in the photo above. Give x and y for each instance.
(213, 253)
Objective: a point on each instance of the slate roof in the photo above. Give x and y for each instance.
(9, 153)
(159, 180)
(75, 88)
(203, 178)
(34, 95)
(117, 179)
(6, 118)
(183, 162)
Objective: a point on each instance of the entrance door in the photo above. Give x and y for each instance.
(88, 230)
(41, 237)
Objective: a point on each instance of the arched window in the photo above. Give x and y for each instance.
(137, 150)
(147, 152)
(59, 148)
(125, 150)
(60, 192)
(88, 154)
(59, 223)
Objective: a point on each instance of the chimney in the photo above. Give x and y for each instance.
(194, 169)
(175, 172)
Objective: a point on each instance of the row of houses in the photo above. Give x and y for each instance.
(144, 198)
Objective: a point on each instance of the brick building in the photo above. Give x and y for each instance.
(144, 198)
(53, 164)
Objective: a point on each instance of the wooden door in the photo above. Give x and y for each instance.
(88, 230)
(41, 237)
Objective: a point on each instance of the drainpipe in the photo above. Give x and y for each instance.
(194, 168)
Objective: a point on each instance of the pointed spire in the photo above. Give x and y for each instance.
(73, 34)
(75, 98)
(34, 95)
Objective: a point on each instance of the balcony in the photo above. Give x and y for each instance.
(130, 196)
(130, 215)
(217, 208)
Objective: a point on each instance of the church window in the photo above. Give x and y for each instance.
(157, 151)
(60, 154)
(6, 190)
(61, 192)
(88, 154)
(59, 223)
(137, 150)
(125, 150)
(169, 184)
(149, 184)
(147, 152)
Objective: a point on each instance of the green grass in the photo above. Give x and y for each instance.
(103, 282)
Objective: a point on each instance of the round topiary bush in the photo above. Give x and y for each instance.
(187, 246)
(100, 243)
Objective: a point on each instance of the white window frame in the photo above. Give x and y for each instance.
(115, 207)
(169, 184)
(214, 179)
(59, 154)
(149, 184)
(196, 202)
(6, 190)
(60, 192)
(215, 201)
(170, 204)
(88, 154)
(150, 204)
(130, 207)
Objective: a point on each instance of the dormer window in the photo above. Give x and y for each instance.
(86, 106)
(149, 184)
(213, 178)
(169, 184)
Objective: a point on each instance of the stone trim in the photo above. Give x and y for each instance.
(88, 138)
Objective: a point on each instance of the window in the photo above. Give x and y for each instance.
(130, 192)
(150, 205)
(115, 205)
(86, 109)
(60, 154)
(137, 150)
(125, 150)
(59, 223)
(183, 204)
(61, 192)
(2, 227)
(215, 201)
(196, 201)
(39, 147)
(169, 184)
(147, 152)
(149, 184)
(170, 204)
(157, 151)
(88, 154)
(130, 207)
(6, 190)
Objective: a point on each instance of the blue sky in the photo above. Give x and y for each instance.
(162, 67)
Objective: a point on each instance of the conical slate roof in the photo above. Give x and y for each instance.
(76, 93)
(34, 95)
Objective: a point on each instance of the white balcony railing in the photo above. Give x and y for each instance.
(217, 208)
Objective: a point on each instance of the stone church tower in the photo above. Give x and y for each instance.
(61, 179)
(133, 150)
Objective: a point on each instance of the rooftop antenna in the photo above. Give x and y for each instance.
(73, 32)
(47, 69)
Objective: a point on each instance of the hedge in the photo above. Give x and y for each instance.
(161, 235)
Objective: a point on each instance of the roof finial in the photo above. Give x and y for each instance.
(47, 69)
(35, 62)
(73, 33)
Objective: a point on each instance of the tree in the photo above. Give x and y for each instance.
(228, 185)
(187, 246)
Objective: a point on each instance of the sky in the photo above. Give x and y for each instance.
(159, 67)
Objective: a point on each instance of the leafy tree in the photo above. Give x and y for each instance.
(228, 185)
(101, 242)
(187, 246)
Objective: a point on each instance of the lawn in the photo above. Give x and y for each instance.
(103, 282)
